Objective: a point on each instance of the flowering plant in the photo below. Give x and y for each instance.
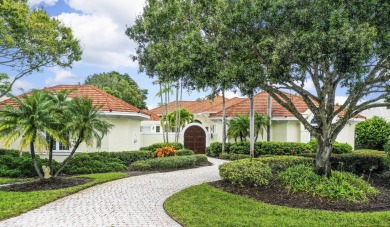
(165, 152)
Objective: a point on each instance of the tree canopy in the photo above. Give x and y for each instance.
(278, 46)
(31, 41)
(120, 86)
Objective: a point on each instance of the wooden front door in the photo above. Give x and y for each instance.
(195, 139)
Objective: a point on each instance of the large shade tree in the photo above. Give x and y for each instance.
(30, 40)
(121, 86)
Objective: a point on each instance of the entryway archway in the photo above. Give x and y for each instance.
(195, 139)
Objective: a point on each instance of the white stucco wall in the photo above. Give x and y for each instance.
(148, 139)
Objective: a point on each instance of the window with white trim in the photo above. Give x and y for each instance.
(57, 146)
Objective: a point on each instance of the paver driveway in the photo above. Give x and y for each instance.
(133, 201)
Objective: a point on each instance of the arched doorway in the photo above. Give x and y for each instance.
(195, 139)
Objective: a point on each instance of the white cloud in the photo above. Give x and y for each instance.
(100, 27)
(21, 86)
(231, 94)
(61, 77)
(340, 100)
(151, 106)
(32, 3)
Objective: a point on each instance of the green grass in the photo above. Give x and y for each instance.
(15, 203)
(369, 152)
(5, 180)
(204, 205)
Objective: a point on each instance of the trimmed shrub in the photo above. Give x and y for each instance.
(246, 172)
(372, 133)
(9, 152)
(14, 165)
(238, 156)
(357, 163)
(338, 148)
(271, 148)
(224, 156)
(167, 163)
(183, 152)
(201, 159)
(99, 162)
(128, 157)
(386, 147)
(341, 185)
(154, 146)
(280, 163)
(216, 148)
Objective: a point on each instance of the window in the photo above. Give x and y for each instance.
(212, 129)
(158, 129)
(57, 146)
(145, 128)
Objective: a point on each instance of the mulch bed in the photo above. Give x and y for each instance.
(276, 193)
(48, 184)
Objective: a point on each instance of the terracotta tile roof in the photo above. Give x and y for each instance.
(203, 106)
(172, 105)
(98, 97)
(260, 102)
(153, 116)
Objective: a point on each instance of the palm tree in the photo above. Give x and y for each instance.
(261, 123)
(85, 124)
(239, 127)
(31, 119)
(179, 118)
(60, 103)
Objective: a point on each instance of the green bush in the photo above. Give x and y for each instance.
(224, 156)
(372, 133)
(338, 148)
(246, 172)
(97, 162)
(9, 152)
(128, 157)
(357, 163)
(201, 159)
(238, 156)
(183, 152)
(386, 147)
(216, 148)
(261, 148)
(154, 146)
(341, 185)
(14, 165)
(166, 163)
(281, 163)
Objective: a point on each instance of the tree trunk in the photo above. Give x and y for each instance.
(177, 113)
(34, 160)
(180, 107)
(168, 110)
(66, 161)
(269, 114)
(162, 104)
(322, 161)
(223, 122)
(252, 127)
(51, 156)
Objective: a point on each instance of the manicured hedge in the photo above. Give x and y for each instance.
(358, 163)
(154, 146)
(280, 163)
(14, 165)
(261, 148)
(246, 172)
(127, 157)
(9, 152)
(85, 163)
(183, 152)
(338, 148)
(166, 163)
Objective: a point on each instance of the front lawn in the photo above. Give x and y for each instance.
(204, 205)
(5, 180)
(15, 203)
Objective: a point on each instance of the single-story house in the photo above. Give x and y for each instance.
(208, 117)
(125, 134)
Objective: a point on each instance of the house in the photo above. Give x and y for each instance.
(125, 134)
(378, 111)
(208, 117)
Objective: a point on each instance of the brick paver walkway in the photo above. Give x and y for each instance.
(133, 201)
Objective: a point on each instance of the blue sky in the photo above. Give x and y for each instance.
(100, 26)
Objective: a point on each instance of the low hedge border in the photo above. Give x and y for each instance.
(154, 146)
(357, 163)
(169, 163)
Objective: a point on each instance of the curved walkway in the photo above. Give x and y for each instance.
(133, 201)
